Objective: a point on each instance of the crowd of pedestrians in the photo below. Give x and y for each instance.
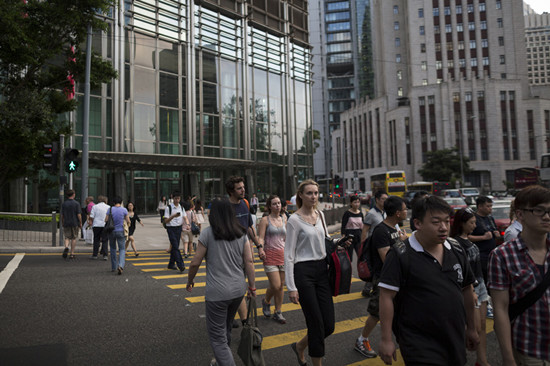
(450, 269)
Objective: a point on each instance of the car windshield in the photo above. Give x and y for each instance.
(455, 201)
(452, 194)
(501, 212)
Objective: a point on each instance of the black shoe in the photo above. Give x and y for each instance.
(65, 252)
(182, 269)
(120, 270)
(236, 323)
(173, 267)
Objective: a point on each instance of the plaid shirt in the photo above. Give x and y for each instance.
(511, 268)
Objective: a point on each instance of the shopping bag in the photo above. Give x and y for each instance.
(250, 346)
(89, 235)
(340, 272)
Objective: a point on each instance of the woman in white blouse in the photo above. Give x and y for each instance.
(307, 273)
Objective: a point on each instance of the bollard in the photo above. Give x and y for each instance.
(54, 227)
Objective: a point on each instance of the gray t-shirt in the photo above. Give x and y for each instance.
(70, 210)
(373, 218)
(225, 276)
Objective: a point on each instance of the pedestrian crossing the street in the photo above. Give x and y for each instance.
(350, 311)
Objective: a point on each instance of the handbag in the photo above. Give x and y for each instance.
(195, 229)
(200, 218)
(250, 346)
(339, 265)
(110, 224)
(516, 309)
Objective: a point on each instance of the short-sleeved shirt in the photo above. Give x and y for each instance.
(178, 220)
(225, 275)
(118, 216)
(70, 211)
(383, 236)
(373, 218)
(243, 214)
(484, 224)
(429, 316)
(511, 268)
(98, 214)
(472, 252)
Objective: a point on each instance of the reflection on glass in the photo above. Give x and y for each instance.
(144, 85)
(229, 131)
(144, 50)
(168, 90)
(228, 73)
(211, 130)
(144, 122)
(229, 102)
(210, 98)
(95, 116)
(262, 136)
(169, 125)
(209, 67)
(168, 56)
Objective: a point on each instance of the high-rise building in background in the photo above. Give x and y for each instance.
(447, 74)
(206, 90)
(537, 38)
(343, 70)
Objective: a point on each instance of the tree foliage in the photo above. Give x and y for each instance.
(443, 165)
(366, 73)
(36, 57)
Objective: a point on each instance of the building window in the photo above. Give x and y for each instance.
(472, 43)
(423, 47)
(460, 45)
(473, 62)
(424, 81)
(459, 9)
(499, 4)
(396, 9)
(481, 6)
(483, 24)
(397, 42)
(501, 41)
(396, 26)
(424, 65)
(471, 26)
(470, 8)
(456, 97)
(421, 12)
(500, 22)
(485, 61)
(447, 10)
(437, 47)
(468, 96)
(480, 95)
(484, 43)
(502, 59)
(431, 99)
(399, 75)
(421, 30)
(436, 29)
(438, 65)
(462, 62)
(460, 27)
(400, 92)
(503, 75)
(448, 28)
(450, 64)
(398, 58)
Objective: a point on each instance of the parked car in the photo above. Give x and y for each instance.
(455, 203)
(364, 197)
(470, 192)
(408, 197)
(452, 193)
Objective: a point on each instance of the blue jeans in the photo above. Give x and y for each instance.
(117, 237)
(174, 235)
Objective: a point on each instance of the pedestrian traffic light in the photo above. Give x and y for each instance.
(51, 156)
(71, 164)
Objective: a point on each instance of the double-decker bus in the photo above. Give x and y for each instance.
(393, 182)
(524, 177)
(434, 188)
(545, 167)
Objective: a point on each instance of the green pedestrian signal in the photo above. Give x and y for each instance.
(71, 162)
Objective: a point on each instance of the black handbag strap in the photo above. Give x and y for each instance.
(252, 315)
(514, 310)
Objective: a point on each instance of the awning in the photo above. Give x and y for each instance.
(164, 162)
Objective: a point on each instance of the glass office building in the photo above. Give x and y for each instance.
(205, 90)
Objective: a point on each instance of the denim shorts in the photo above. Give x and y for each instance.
(268, 269)
(482, 294)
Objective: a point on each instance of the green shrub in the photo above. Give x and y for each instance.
(28, 218)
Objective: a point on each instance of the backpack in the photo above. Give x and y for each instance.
(364, 263)
(169, 214)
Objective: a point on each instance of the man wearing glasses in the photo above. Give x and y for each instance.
(516, 268)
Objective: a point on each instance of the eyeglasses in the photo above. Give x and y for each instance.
(537, 211)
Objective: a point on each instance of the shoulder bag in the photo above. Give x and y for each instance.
(110, 224)
(250, 346)
(339, 265)
(515, 310)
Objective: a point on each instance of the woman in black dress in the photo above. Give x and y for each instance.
(133, 218)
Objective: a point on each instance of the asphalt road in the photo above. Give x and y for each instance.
(60, 312)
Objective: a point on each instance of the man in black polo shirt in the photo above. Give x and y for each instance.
(485, 232)
(431, 283)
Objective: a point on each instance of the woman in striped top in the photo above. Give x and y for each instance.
(272, 230)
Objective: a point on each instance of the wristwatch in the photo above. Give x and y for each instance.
(259, 246)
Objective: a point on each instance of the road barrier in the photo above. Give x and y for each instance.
(16, 226)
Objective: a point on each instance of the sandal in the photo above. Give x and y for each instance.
(72, 256)
(293, 346)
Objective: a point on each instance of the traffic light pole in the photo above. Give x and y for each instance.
(62, 180)
(86, 122)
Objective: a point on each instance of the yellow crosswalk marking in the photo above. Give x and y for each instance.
(185, 275)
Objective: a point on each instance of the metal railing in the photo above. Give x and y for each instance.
(28, 231)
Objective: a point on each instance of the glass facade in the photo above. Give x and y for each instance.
(205, 85)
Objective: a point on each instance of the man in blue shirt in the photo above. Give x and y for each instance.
(235, 189)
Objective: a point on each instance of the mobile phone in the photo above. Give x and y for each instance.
(178, 213)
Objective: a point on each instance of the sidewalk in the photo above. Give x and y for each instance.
(152, 236)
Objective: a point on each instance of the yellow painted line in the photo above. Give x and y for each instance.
(286, 339)
(184, 275)
(199, 299)
(203, 284)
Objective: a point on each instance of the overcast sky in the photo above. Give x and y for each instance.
(540, 6)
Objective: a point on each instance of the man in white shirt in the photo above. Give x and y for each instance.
(174, 216)
(97, 221)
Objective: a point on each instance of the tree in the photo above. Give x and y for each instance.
(366, 71)
(41, 44)
(444, 165)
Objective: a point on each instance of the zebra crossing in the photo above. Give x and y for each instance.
(350, 310)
